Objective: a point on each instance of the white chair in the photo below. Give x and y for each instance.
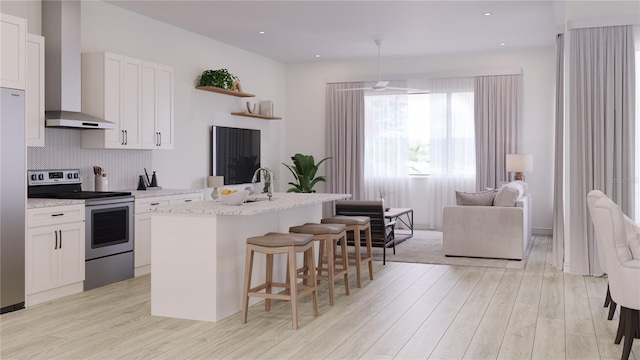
(624, 270)
(592, 197)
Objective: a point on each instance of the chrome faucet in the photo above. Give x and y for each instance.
(270, 180)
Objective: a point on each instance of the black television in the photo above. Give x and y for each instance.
(235, 153)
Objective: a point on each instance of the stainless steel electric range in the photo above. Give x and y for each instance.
(108, 223)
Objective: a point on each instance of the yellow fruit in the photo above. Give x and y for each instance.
(234, 191)
(226, 192)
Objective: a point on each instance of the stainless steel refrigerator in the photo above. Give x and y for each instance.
(12, 199)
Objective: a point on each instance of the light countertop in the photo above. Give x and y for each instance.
(43, 203)
(33, 203)
(138, 194)
(281, 201)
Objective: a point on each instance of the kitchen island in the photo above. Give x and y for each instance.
(198, 251)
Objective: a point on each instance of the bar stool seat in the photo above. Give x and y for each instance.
(280, 243)
(329, 236)
(356, 224)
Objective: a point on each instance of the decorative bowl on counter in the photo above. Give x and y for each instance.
(235, 198)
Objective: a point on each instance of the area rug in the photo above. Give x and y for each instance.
(426, 247)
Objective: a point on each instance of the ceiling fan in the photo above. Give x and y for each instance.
(381, 85)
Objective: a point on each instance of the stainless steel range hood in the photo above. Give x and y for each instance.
(63, 86)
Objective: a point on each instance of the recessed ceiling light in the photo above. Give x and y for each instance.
(261, 32)
(503, 44)
(317, 55)
(487, 14)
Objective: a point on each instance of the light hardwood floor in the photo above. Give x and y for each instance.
(410, 311)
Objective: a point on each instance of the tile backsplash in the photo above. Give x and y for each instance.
(63, 151)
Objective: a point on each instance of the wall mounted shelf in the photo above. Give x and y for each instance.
(224, 91)
(256, 115)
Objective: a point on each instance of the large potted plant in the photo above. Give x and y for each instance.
(304, 170)
(221, 78)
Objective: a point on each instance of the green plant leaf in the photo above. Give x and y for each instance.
(221, 78)
(304, 170)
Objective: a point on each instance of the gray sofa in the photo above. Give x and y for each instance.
(501, 232)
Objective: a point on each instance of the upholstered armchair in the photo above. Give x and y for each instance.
(619, 244)
(592, 197)
(489, 224)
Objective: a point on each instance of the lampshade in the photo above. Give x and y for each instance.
(215, 181)
(519, 162)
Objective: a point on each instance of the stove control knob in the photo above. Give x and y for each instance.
(40, 176)
(69, 176)
(34, 177)
(75, 176)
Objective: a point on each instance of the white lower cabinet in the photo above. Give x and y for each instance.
(55, 252)
(142, 227)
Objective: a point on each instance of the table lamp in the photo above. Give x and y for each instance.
(519, 163)
(215, 182)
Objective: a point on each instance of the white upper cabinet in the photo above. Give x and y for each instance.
(131, 102)
(13, 52)
(35, 90)
(157, 106)
(111, 89)
(135, 94)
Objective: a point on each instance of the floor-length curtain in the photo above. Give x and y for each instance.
(557, 246)
(601, 128)
(452, 145)
(498, 108)
(387, 145)
(344, 139)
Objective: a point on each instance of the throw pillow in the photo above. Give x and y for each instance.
(482, 198)
(524, 185)
(508, 195)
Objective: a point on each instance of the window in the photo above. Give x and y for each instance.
(386, 134)
(421, 133)
(452, 133)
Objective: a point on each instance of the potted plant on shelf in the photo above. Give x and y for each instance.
(221, 78)
(304, 171)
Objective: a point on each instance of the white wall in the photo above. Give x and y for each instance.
(26, 9)
(306, 112)
(107, 27)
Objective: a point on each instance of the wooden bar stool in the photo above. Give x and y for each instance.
(279, 243)
(356, 224)
(329, 236)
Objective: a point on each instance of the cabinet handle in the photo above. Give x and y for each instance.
(154, 204)
(160, 142)
(122, 131)
(60, 239)
(188, 200)
(126, 137)
(56, 247)
(57, 214)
